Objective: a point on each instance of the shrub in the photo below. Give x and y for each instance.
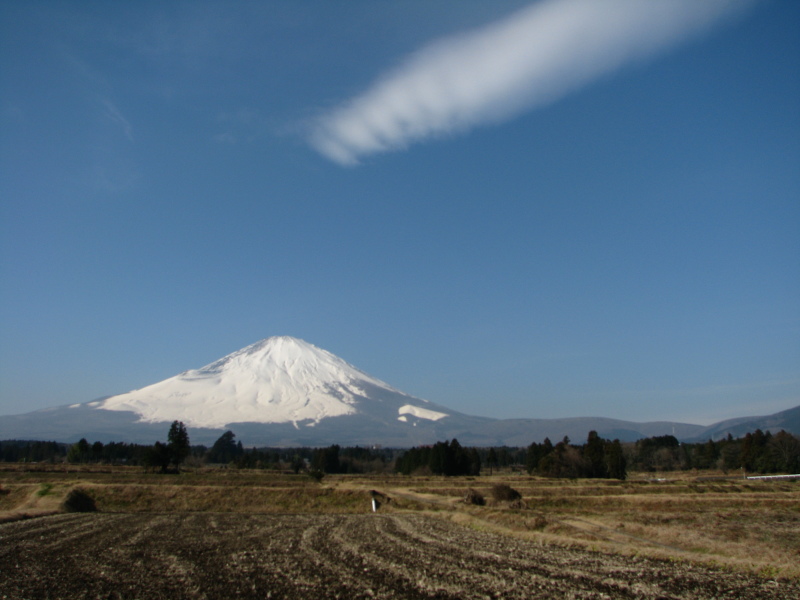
(504, 492)
(474, 497)
(79, 501)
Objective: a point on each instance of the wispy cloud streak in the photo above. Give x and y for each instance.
(113, 113)
(525, 61)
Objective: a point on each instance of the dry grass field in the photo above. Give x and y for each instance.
(587, 538)
(741, 524)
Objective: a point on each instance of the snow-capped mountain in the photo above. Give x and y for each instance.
(279, 391)
(282, 391)
(276, 380)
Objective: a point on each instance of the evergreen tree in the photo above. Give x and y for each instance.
(615, 460)
(97, 452)
(474, 462)
(491, 459)
(79, 452)
(224, 449)
(594, 455)
(158, 455)
(178, 443)
(297, 463)
(326, 460)
(503, 457)
(443, 458)
(564, 461)
(460, 461)
(784, 449)
(535, 453)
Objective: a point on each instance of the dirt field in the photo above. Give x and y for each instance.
(228, 555)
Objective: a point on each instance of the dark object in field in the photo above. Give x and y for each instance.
(474, 497)
(504, 492)
(79, 501)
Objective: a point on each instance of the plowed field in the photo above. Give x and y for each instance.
(215, 555)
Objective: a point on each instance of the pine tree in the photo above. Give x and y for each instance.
(178, 442)
(594, 455)
(157, 455)
(224, 449)
(491, 459)
(79, 452)
(615, 460)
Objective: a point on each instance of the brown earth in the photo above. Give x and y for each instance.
(226, 555)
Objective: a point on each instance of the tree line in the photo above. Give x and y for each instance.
(443, 458)
(177, 450)
(596, 459)
(756, 452)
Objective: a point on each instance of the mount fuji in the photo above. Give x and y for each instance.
(277, 380)
(279, 391)
(283, 391)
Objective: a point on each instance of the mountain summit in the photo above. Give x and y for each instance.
(276, 380)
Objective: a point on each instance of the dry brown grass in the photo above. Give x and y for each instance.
(301, 498)
(30, 500)
(741, 524)
(218, 490)
(737, 523)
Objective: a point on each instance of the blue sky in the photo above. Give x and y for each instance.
(511, 209)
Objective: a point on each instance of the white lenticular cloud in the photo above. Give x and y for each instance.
(530, 59)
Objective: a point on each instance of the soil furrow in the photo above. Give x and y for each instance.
(398, 556)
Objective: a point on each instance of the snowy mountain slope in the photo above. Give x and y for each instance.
(276, 380)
